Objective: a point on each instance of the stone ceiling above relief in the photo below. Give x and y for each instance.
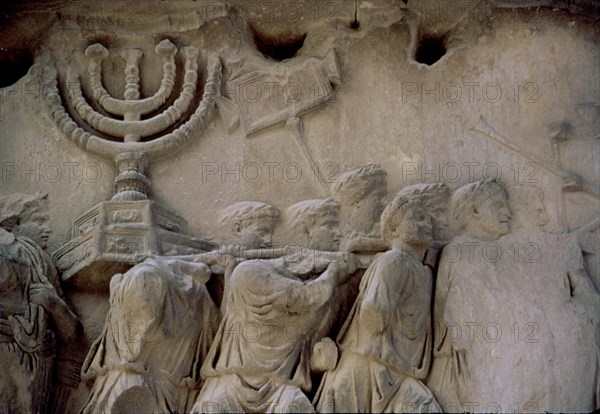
(278, 29)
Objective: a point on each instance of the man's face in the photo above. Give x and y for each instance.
(416, 228)
(372, 205)
(36, 227)
(439, 220)
(376, 198)
(494, 215)
(325, 234)
(537, 211)
(256, 234)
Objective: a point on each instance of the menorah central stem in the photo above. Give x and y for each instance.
(132, 73)
(132, 87)
(131, 182)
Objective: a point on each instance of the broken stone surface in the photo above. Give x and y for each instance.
(230, 162)
(35, 319)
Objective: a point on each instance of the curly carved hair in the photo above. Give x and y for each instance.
(18, 207)
(430, 194)
(302, 215)
(243, 211)
(355, 184)
(394, 213)
(471, 196)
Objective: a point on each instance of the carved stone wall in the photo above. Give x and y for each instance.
(275, 134)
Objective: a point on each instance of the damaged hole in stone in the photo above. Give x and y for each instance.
(355, 23)
(278, 48)
(430, 49)
(15, 64)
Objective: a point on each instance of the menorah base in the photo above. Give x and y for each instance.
(115, 235)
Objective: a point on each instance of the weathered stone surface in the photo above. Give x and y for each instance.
(37, 324)
(216, 165)
(385, 343)
(157, 333)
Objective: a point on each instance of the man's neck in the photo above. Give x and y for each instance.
(417, 251)
(6, 237)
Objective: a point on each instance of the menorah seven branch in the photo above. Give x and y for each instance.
(113, 235)
(131, 155)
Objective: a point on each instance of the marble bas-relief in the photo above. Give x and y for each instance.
(318, 222)
(217, 268)
(509, 308)
(435, 198)
(110, 231)
(35, 320)
(386, 342)
(250, 224)
(549, 274)
(163, 303)
(157, 333)
(260, 360)
(361, 193)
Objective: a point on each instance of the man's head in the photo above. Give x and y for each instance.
(527, 203)
(481, 210)
(360, 183)
(435, 198)
(251, 222)
(406, 219)
(26, 215)
(318, 220)
(360, 192)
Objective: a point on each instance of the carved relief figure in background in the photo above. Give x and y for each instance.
(527, 204)
(361, 193)
(159, 327)
(318, 221)
(251, 224)
(512, 308)
(465, 368)
(261, 358)
(552, 277)
(386, 341)
(34, 319)
(435, 197)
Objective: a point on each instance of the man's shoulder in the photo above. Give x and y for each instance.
(6, 238)
(396, 257)
(253, 271)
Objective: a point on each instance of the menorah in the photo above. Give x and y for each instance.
(130, 226)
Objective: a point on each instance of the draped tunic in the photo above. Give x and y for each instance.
(27, 342)
(260, 360)
(158, 329)
(385, 343)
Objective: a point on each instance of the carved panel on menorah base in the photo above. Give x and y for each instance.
(113, 236)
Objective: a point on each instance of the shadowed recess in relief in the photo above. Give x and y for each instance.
(14, 64)
(278, 48)
(430, 48)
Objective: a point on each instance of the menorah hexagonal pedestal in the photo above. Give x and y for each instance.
(115, 235)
